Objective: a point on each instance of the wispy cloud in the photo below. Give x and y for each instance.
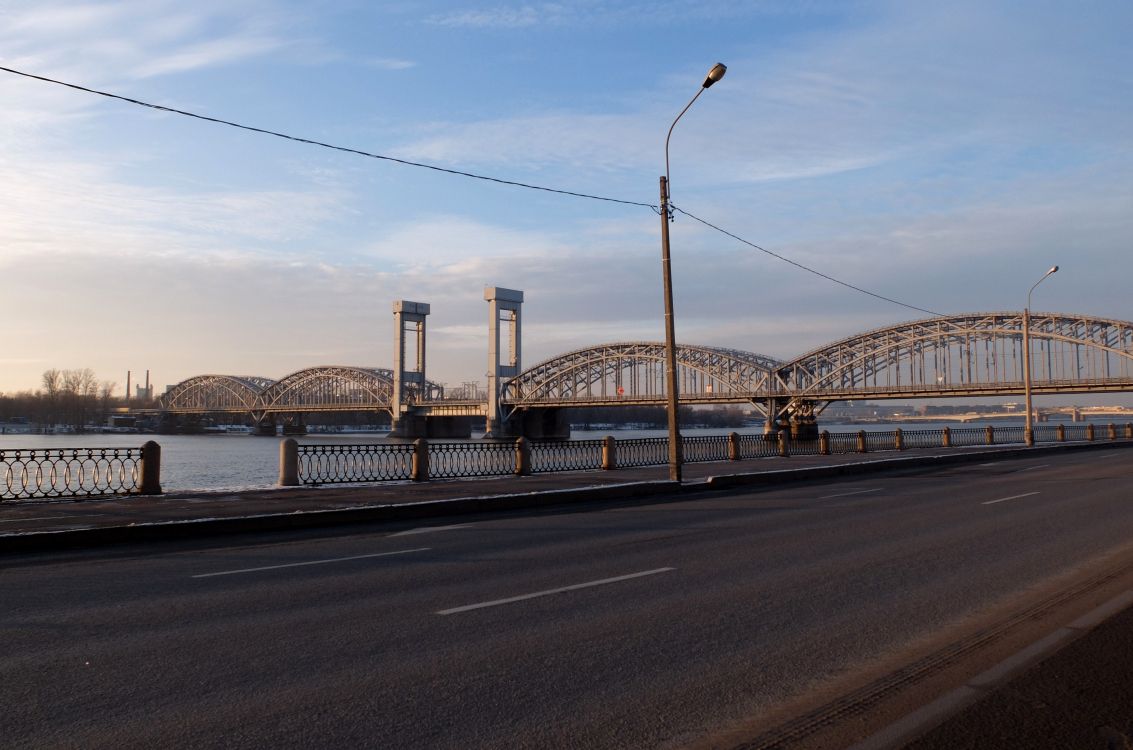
(391, 63)
(525, 15)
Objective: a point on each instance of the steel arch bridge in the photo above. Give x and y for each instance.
(326, 388)
(634, 373)
(978, 354)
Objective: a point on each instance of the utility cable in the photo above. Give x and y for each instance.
(309, 141)
(800, 265)
(472, 175)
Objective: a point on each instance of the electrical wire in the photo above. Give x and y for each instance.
(321, 144)
(472, 175)
(800, 265)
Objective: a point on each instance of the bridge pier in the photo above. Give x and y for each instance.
(413, 426)
(264, 428)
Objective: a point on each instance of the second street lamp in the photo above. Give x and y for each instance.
(1029, 430)
(675, 454)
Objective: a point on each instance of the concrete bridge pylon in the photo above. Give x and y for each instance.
(411, 316)
(504, 305)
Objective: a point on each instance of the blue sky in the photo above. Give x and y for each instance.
(943, 154)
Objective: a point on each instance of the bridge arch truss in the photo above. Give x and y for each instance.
(967, 355)
(324, 388)
(634, 372)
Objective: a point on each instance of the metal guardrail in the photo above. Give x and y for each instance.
(328, 464)
(487, 459)
(702, 448)
(643, 452)
(48, 473)
(566, 455)
(422, 460)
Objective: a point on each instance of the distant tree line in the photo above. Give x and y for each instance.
(69, 398)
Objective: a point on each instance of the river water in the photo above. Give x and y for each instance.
(233, 462)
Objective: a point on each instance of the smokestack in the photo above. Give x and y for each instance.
(148, 394)
(128, 373)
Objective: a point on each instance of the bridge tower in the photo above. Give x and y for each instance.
(503, 305)
(407, 316)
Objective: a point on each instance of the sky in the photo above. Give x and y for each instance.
(943, 155)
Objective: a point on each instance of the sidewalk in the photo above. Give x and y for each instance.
(30, 526)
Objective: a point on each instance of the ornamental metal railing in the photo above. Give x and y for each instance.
(423, 460)
(566, 455)
(78, 473)
(328, 464)
(702, 448)
(642, 452)
(455, 460)
(758, 446)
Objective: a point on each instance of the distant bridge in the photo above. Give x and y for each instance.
(962, 355)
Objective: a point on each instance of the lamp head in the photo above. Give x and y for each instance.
(1053, 269)
(717, 72)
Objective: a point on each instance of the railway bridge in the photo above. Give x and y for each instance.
(972, 355)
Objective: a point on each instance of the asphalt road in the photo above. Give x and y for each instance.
(646, 626)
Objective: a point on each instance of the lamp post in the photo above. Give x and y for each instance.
(675, 459)
(1029, 430)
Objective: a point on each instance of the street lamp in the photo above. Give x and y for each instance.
(1029, 430)
(713, 76)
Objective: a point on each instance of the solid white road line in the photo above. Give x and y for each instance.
(847, 494)
(1005, 499)
(311, 562)
(1031, 468)
(428, 529)
(37, 518)
(548, 592)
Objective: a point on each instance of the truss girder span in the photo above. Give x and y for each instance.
(326, 388)
(215, 393)
(965, 355)
(635, 371)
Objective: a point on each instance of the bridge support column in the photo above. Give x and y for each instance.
(773, 424)
(505, 305)
(415, 426)
(407, 380)
(265, 427)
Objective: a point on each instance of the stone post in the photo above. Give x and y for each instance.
(1112, 431)
(150, 483)
(289, 463)
(419, 471)
(1090, 432)
(522, 457)
(784, 445)
(861, 441)
(947, 439)
(1061, 433)
(733, 446)
(1128, 430)
(898, 439)
(824, 443)
(990, 435)
(609, 453)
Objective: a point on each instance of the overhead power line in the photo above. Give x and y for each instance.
(460, 173)
(800, 265)
(321, 144)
